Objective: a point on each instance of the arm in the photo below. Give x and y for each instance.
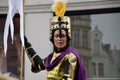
(70, 67)
(37, 62)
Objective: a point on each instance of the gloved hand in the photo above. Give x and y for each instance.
(35, 69)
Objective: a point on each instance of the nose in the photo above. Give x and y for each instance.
(59, 38)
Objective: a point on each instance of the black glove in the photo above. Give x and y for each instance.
(27, 44)
(36, 60)
(28, 47)
(34, 69)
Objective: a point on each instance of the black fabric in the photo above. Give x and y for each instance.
(27, 44)
(31, 52)
(38, 61)
(66, 69)
(34, 69)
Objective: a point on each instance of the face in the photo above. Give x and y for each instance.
(60, 42)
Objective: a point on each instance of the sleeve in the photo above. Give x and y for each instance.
(70, 67)
(37, 62)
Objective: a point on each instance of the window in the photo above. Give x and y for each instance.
(96, 46)
(86, 64)
(101, 70)
(85, 39)
(76, 38)
(94, 68)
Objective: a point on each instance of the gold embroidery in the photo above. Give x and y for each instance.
(73, 62)
(58, 72)
(55, 55)
(34, 56)
(28, 48)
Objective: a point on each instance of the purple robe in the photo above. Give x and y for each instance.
(80, 72)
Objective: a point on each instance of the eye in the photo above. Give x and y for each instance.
(56, 35)
(63, 35)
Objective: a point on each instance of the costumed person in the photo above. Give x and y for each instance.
(64, 62)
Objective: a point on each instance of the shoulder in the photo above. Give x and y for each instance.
(72, 50)
(73, 54)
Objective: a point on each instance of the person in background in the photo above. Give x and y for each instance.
(7, 76)
(64, 62)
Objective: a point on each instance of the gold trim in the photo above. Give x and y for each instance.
(67, 75)
(22, 64)
(73, 62)
(31, 60)
(28, 47)
(43, 62)
(33, 56)
(39, 67)
(65, 23)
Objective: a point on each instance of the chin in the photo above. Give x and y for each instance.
(60, 47)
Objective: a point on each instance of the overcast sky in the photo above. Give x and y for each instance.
(109, 25)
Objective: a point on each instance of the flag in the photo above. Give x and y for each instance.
(14, 7)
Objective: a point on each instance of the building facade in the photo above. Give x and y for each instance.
(81, 40)
(104, 60)
(11, 61)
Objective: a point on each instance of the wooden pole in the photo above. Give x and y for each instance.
(22, 53)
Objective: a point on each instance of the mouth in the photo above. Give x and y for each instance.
(60, 43)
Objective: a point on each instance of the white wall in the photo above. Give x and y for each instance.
(37, 32)
(34, 2)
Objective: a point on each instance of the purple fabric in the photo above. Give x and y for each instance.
(80, 72)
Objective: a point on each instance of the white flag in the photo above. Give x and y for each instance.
(14, 6)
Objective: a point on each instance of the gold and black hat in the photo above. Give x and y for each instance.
(60, 21)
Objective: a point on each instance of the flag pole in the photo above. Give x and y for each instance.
(22, 76)
(22, 65)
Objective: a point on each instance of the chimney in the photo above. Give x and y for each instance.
(107, 47)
